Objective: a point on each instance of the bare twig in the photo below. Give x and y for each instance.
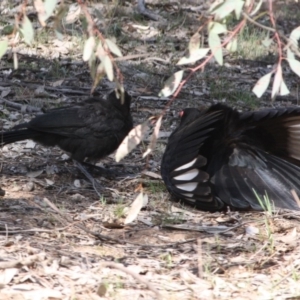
(141, 8)
(21, 107)
(277, 37)
(202, 65)
(2, 192)
(132, 56)
(296, 197)
(23, 262)
(33, 230)
(259, 250)
(118, 241)
(134, 275)
(258, 24)
(288, 275)
(62, 217)
(200, 258)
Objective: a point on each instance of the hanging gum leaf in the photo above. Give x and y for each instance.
(27, 30)
(171, 84)
(214, 42)
(262, 85)
(3, 48)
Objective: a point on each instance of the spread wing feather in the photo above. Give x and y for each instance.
(219, 157)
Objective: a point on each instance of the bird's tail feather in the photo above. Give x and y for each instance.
(16, 135)
(235, 185)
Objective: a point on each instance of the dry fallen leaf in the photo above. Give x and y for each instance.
(7, 275)
(135, 136)
(140, 201)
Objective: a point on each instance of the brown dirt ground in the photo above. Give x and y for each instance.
(60, 241)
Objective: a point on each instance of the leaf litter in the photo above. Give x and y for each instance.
(54, 242)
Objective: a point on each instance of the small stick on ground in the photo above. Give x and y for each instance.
(200, 258)
(22, 107)
(294, 194)
(23, 262)
(134, 275)
(145, 12)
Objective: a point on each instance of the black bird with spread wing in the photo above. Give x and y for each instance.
(218, 157)
(91, 130)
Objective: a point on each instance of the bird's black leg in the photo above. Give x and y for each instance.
(99, 170)
(112, 174)
(94, 182)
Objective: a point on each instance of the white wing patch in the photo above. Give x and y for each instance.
(295, 156)
(295, 126)
(188, 195)
(189, 187)
(189, 175)
(186, 165)
(294, 141)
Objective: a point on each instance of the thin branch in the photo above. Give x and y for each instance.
(278, 40)
(193, 70)
(34, 230)
(272, 30)
(141, 8)
(257, 24)
(23, 261)
(134, 275)
(22, 107)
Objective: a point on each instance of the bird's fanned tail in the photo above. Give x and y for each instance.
(16, 136)
(220, 157)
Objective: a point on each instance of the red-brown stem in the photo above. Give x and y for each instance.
(193, 70)
(95, 30)
(276, 35)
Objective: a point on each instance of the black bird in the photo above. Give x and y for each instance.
(218, 157)
(91, 130)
